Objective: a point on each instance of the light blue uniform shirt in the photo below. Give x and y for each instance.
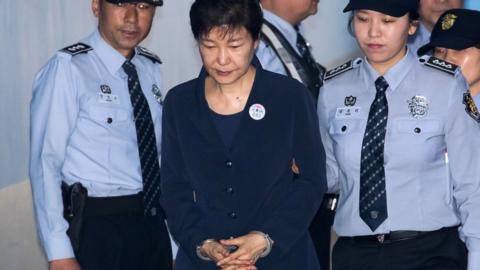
(266, 54)
(425, 117)
(476, 99)
(421, 37)
(79, 134)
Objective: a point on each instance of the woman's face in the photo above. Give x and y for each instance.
(381, 37)
(468, 60)
(227, 55)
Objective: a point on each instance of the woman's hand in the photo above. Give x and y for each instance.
(214, 250)
(250, 247)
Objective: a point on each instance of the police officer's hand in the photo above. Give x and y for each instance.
(214, 251)
(250, 247)
(64, 264)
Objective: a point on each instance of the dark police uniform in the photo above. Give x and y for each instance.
(279, 51)
(415, 208)
(212, 191)
(83, 134)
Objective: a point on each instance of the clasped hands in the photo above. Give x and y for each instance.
(249, 249)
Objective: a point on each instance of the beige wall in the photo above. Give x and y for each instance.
(19, 248)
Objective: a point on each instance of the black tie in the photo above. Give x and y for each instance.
(304, 50)
(373, 197)
(147, 144)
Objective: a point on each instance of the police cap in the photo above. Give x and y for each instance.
(395, 8)
(152, 2)
(456, 29)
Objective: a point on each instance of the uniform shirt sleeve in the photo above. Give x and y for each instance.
(461, 135)
(332, 167)
(269, 59)
(53, 112)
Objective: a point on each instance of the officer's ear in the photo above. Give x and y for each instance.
(412, 29)
(96, 6)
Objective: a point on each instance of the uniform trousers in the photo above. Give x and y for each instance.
(320, 231)
(437, 250)
(117, 239)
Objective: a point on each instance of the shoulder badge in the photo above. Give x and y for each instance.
(440, 64)
(341, 69)
(77, 48)
(470, 107)
(150, 55)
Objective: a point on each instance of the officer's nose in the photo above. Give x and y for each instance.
(374, 29)
(131, 14)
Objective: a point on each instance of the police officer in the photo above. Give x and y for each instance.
(456, 39)
(95, 132)
(386, 121)
(430, 11)
(283, 50)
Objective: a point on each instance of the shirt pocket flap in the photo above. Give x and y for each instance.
(344, 126)
(430, 126)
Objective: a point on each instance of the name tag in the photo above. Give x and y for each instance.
(347, 112)
(108, 98)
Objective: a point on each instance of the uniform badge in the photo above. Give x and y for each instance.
(257, 111)
(105, 89)
(470, 107)
(157, 94)
(448, 21)
(350, 101)
(442, 65)
(418, 107)
(77, 48)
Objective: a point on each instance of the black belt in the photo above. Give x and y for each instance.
(110, 206)
(393, 236)
(330, 201)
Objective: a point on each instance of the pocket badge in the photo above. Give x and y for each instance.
(470, 107)
(157, 93)
(418, 107)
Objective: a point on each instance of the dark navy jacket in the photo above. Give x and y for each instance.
(211, 191)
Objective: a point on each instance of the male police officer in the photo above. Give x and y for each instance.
(430, 11)
(95, 137)
(456, 39)
(283, 50)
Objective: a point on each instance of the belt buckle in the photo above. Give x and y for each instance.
(381, 238)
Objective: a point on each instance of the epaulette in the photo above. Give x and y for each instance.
(341, 69)
(150, 55)
(77, 48)
(470, 107)
(439, 64)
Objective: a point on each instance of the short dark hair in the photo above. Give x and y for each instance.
(207, 14)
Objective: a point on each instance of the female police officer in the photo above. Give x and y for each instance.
(229, 138)
(386, 122)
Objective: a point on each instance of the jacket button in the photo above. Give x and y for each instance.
(229, 190)
(228, 164)
(233, 215)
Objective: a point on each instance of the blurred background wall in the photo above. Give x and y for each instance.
(32, 31)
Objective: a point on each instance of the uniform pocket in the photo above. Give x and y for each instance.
(347, 136)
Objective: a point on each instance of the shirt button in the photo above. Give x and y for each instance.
(109, 120)
(417, 130)
(228, 164)
(229, 190)
(344, 128)
(232, 215)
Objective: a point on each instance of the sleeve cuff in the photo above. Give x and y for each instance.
(59, 248)
(473, 261)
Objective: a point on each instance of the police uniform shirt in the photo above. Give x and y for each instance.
(421, 37)
(476, 99)
(267, 56)
(83, 130)
(425, 117)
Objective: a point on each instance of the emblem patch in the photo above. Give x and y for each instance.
(448, 21)
(418, 107)
(105, 89)
(350, 101)
(470, 107)
(157, 94)
(442, 65)
(77, 49)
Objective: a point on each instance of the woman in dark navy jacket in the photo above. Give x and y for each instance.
(229, 139)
